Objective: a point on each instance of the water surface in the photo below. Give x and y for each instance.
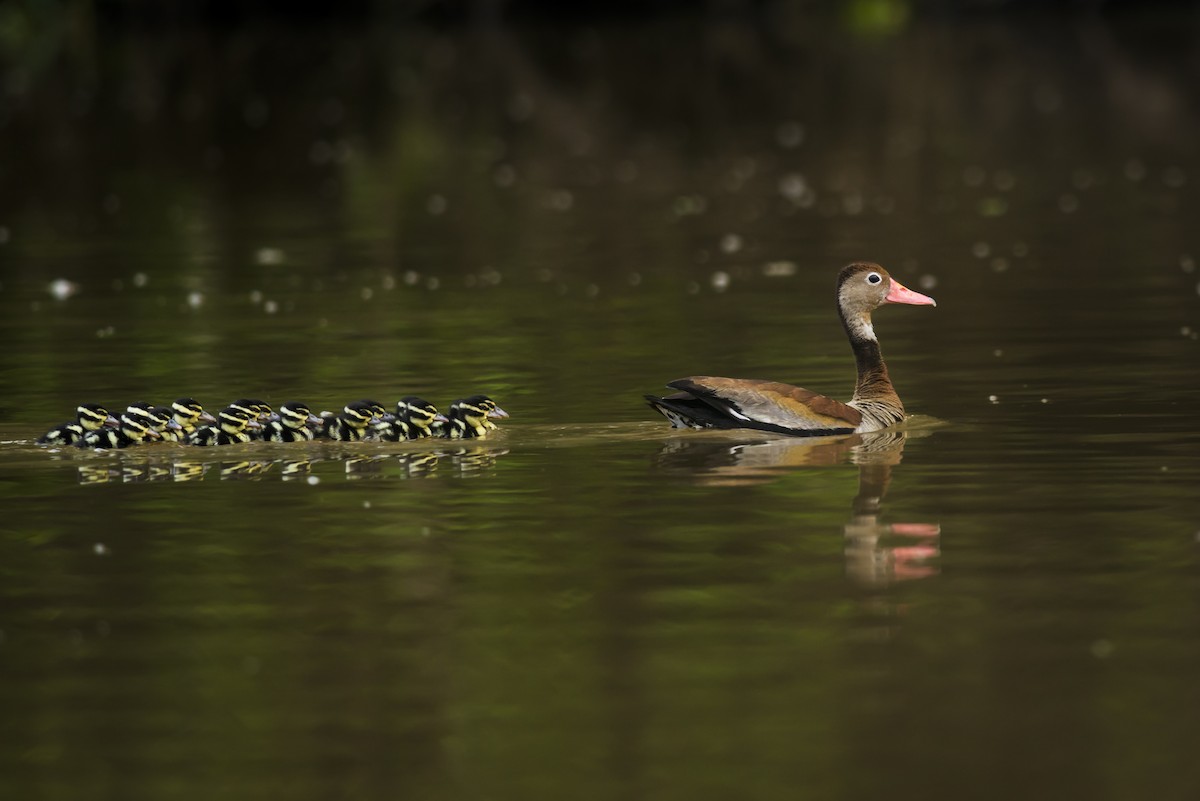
(997, 601)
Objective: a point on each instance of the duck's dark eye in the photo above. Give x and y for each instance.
(874, 278)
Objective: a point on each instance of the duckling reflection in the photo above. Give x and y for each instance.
(877, 553)
(442, 460)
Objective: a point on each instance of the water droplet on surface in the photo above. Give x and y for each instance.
(790, 134)
(269, 256)
(61, 288)
(779, 269)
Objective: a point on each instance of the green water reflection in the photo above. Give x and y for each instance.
(999, 604)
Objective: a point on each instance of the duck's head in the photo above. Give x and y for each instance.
(188, 411)
(418, 412)
(93, 416)
(295, 414)
(862, 288)
(234, 419)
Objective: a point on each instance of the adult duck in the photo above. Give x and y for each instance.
(708, 402)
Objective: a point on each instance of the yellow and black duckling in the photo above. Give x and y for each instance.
(294, 423)
(354, 423)
(188, 414)
(133, 430)
(233, 427)
(470, 418)
(157, 418)
(88, 417)
(414, 419)
(255, 409)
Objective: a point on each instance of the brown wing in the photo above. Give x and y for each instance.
(771, 402)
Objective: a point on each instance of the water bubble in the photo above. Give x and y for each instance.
(61, 288)
(436, 205)
(993, 398)
(981, 250)
(779, 269)
(1135, 170)
(1020, 250)
(256, 112)
(1102, 649)
(313, 480)
(719, 281)
(731, 243)
(1004, 180)
(634, 279)
(4, 235)
(366, 504)
(1187, 264)
(100, 549)
(627, 172)
(974, 175)
(366, 293)
(591, 290)
(432, 283)
(505, 175)
(560, 200)
(1174, 177)
(195, 300)
(388, 282)
(256, 296)
(789, 134)
(927, 281)
(140, 280)
(412, 277)
(270, 307)
(268, 256)
(793, 186)
(1047, 99)
(998, 353)
(691, 287)
(999, 264)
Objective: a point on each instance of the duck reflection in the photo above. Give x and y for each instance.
(448, 460)
(877, 553)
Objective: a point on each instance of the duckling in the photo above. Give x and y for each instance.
(156, 418)
(231, 429)
(255, 409)
(294, 424)
(134, 430)
(88, 417)
(469, 418)
(414, 419)
(353, 424)
(189, 414)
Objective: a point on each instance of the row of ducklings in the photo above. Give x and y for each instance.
(249, 419)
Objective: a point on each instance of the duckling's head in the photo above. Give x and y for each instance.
(360, 413)
(137, 427)
(295, 414)
(155, 418)
(253, 407)
(93, 416)
(418, 412)
(233, 419)
(189, 412)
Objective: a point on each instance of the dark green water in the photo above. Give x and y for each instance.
(1001, 603)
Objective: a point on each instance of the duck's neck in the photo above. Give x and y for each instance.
(874, 394)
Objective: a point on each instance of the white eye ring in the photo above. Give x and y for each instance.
(874, 278)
